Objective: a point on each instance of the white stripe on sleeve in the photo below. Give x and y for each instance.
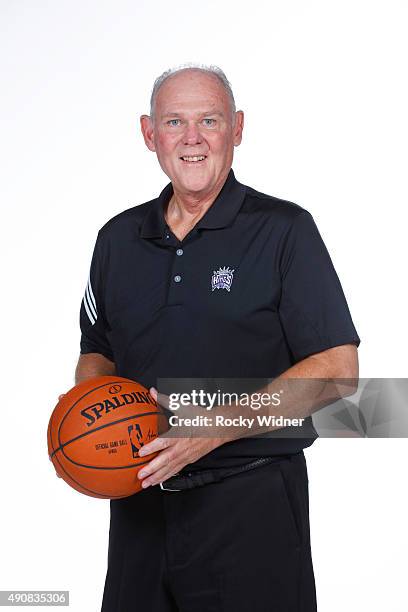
(88, 312)
(89, 287)
(91, 304)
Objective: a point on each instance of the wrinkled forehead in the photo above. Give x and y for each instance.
(192, 92)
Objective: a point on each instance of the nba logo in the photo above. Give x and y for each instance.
(135, 437)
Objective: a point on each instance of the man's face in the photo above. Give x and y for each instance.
(193, 132)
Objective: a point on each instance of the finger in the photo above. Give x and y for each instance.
(163, 400)
(160, 398)
(162, 462)
(61, 396)
(154, 446)
(160, 476)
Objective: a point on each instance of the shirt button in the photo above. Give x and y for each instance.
(167, 236)
(179, 251)
(177, 278)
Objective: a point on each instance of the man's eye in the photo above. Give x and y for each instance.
(174, 122)
(209, 122)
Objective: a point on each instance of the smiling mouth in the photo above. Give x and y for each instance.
(193, 158)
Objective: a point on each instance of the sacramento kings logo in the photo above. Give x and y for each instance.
(222, 279)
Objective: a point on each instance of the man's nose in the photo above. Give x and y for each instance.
(192, 134)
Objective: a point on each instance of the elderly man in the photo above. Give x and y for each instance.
(212, 279)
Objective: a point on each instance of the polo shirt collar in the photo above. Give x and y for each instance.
(221, 213)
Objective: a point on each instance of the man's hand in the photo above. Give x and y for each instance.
(174, 452)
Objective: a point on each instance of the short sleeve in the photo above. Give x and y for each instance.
(313, 309)
(92, 321)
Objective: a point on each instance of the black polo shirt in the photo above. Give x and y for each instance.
(250, 291)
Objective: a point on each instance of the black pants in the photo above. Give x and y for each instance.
(241, 545)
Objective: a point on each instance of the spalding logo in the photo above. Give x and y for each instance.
(96, 411)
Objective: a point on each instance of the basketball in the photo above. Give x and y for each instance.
(95, 433)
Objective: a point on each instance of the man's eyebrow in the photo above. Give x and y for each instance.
(170, 115)
(215, 112)
(204, 114)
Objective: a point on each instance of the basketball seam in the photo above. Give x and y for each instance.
(102, 467)
(86, 488)
(87, 433)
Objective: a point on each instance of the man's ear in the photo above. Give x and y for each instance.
(238, 127)
(146, 125)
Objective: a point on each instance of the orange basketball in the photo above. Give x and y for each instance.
(96, 431)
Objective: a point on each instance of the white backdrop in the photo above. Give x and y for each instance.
(323, 84)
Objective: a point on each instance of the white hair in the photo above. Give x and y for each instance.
(213, 70)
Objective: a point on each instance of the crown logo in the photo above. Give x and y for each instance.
(222, 279)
